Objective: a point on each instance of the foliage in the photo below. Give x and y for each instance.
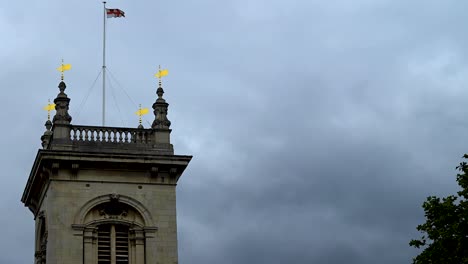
(445, 238)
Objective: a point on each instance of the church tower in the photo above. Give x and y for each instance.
(105, 195)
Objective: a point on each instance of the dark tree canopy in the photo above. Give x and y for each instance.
(445, 232)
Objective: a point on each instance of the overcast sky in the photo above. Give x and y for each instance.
(318, 128)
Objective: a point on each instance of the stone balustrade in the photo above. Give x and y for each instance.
(110, 135)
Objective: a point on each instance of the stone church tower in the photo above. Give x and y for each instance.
(105, 195)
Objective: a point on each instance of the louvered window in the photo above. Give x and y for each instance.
(113, 244)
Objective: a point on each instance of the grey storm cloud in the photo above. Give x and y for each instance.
(317, 127)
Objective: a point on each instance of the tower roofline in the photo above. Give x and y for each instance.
(48, 162)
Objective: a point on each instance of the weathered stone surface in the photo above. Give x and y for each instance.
(63, 182)
(87, 178)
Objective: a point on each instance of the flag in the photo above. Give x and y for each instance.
(114, 13)
(64, 67)
(142, 111)
(161, 73)
(49, 107)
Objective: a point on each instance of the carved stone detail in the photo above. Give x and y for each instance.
(160, 112)
(41, 252)
(113, 209)
(55, 167)
(154, 172)
(45, 139)
(111, 215)
(114, 197)
(75, 167)
(62, 103)
(41, 215)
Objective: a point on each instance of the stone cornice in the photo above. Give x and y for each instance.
(50, 161)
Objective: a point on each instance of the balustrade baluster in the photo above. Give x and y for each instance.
(125, 136)
(73, 134)
(108, 135)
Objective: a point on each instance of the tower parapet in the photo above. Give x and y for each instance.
(66, 136)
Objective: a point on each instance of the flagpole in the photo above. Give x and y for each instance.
(104, 69)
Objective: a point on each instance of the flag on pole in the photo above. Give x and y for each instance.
(49, 107)
(161, 73)
(142, 111)
(114, 13)
(64, 67)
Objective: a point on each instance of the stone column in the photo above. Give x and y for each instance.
(89, 244)
(150, 244)
(139, 246)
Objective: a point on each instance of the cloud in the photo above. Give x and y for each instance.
(317, 127)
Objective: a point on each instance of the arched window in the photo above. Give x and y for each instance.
(113, 231)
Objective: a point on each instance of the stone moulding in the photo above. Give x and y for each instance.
(54, 160)
(139, 207)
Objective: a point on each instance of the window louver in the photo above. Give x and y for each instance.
(112, 244)
(121, 244)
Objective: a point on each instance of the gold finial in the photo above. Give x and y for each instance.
(49, 107)
(62, 68)
(159, 71)
(141, 112)
(160, 74)
(140, 115)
